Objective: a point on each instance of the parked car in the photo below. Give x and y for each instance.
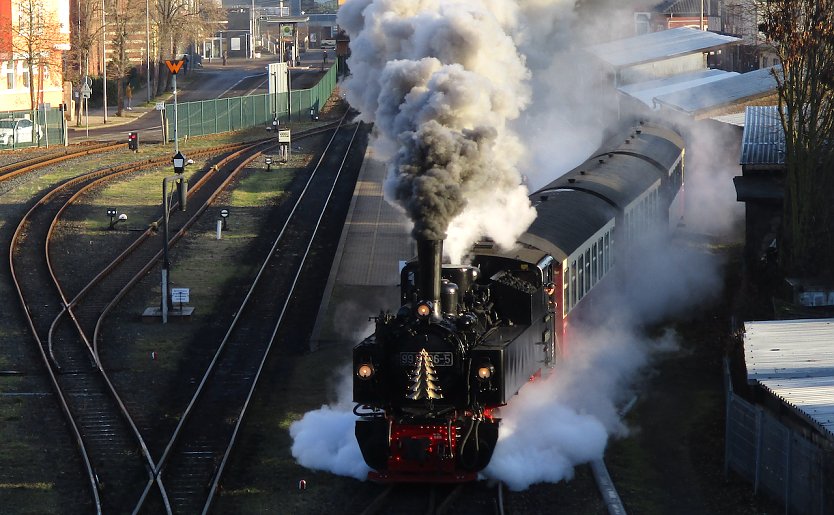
(19, 130)
(328, 44)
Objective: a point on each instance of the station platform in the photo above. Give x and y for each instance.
(364, 278)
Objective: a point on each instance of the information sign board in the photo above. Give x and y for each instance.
(180, 295)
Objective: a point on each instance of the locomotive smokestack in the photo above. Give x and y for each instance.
(429, 259)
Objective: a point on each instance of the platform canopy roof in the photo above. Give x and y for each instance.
(701, 99)
(659, 46)
(647, 91)
(794, 360)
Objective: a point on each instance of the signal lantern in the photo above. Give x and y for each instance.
(133, 141)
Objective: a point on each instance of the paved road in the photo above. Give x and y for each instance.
(239, 77)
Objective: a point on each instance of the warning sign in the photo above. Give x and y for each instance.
(174, 66)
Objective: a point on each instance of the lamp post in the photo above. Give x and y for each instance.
(176, 121)
(179, 162)
(104, 57)
(148, 44)
(252, 33)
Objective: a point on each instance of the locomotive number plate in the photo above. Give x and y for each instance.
(438, 359)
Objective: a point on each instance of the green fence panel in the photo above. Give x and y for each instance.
(25, 128)
(235, 113)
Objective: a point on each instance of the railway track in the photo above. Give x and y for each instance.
(14, 169)
(106, 431)
(113, 452)
(192, 464)
(467, 498)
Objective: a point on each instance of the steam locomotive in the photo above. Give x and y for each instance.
(466, 338)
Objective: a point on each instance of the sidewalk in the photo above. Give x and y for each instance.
(95, 120)
(139, 107)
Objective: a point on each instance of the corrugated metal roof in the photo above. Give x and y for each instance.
(732, 90)
(794, 359)
(657, 46)
(646, 92)
(763, 141)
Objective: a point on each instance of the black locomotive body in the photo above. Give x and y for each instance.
(466, 338)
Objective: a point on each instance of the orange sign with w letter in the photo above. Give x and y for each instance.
(174, 67)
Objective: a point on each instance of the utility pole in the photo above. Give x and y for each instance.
(104, 56)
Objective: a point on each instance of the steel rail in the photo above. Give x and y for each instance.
(49, 358)
(216, 480)
(14, 169)
(167, 453)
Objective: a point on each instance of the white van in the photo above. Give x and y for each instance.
(328, 44)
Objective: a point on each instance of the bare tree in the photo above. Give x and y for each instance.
(179, 22)
(121, 20)
(801, 33)
(86, 31)
(35, 33)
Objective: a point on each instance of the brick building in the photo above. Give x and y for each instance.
(18, 18)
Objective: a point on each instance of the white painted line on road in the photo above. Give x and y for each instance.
(233, 86)
(256, 88)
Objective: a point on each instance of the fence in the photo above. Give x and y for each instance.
(776, 459)
(41, 127)
(234, 113)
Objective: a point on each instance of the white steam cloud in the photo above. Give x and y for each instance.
(555, 424)
(463, 95)
(324, 439)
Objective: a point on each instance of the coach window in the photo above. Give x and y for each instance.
(565, 291)
(607, 252)
(587, 270)
(594, 263)
(630, 226)
(573, 291)
(581, 275)
(600, 271)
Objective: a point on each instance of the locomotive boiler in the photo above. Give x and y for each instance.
(429, 381)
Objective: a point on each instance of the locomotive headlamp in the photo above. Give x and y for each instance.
(365, 370)
(423, 309)
(485, 371)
